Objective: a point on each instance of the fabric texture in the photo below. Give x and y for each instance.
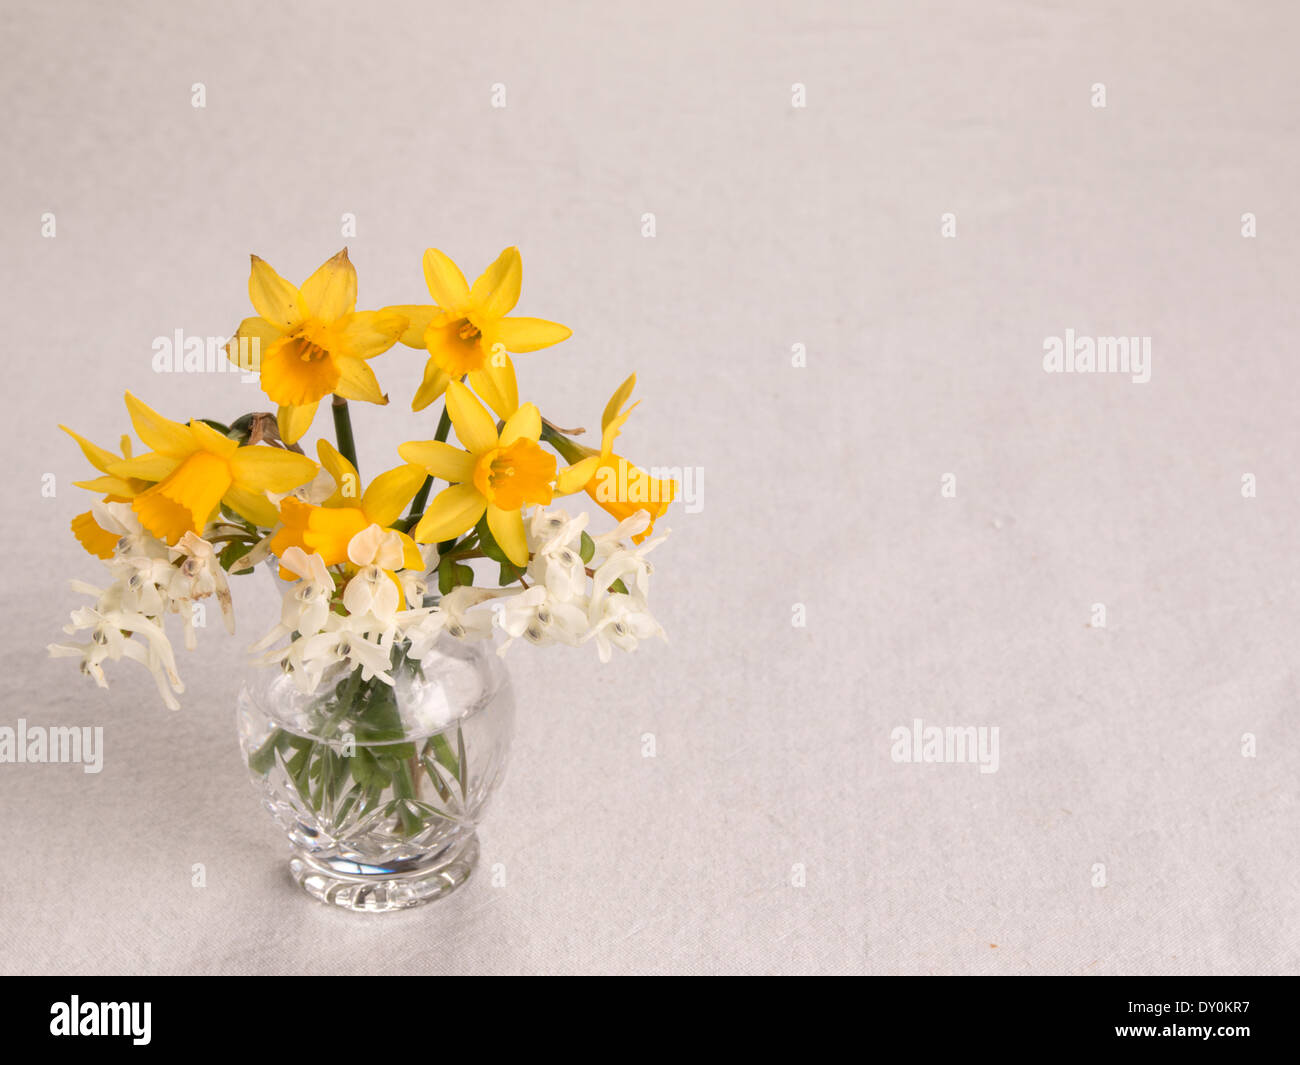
(941, 513)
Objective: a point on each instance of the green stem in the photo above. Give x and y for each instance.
(570, 451)
(422, 496)
(343, 431)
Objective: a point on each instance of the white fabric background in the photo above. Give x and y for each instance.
(776, 226)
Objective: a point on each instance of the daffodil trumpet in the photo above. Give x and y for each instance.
(617, 485)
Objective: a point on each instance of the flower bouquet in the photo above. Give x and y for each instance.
(380, 724)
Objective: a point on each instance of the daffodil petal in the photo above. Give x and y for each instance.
(411, 556)
(262, 468)
(100, 458)
(440, 460)
(329, 531)
(185, 499)
(574, 478)
(433, 385)
(524, 424)
(357, 381)
(496, 291)
(371, 333)
(346, 479)
(273, 297)
(610, 430)
(331, 292)
(94, 537)
(497, 385)
(159, 433)
(295, 421)
(418, 317)
(209, 439)
(417, 320)
(452, 511)
(253, 506)
(150, 466)
(617, 400)
(387, 495)
(259, 335)
(475, 427)
(508, 529)
(528, 334)
(292, 380)
(119, 488)
(446, 283)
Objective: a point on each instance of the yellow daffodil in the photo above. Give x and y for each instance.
(619, 487)
(496, 474)
(327, 529)
(99, 541)
(468, 331)
(196, 469)
(313, 341)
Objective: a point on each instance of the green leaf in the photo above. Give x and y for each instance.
(487, 543)
(453, 574)
(232, 553)
(587, 549)
(367, 771)
(509, 574)
(241, 428)
(619, 586)
(261, 760)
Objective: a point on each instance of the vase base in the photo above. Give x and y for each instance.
(367, 889)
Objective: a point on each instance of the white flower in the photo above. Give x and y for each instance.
(455, 616)
(150, 580)
(623, 622)
(619, 537)
(305, 606)
(542, 618)
(315, 491)
(555, 542)
(627, 564)
(198, 575)
(344, 640)
(415, 586)
(372, 590)
(136, 541)
(108, 642)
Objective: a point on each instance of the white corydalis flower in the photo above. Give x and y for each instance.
(623, 622)
(619, 538)
(344, 639)
(455, 615)
(110, 630)
(136, 542)
(197, 574)
(542, 618)
(555, 543)
(622, 619)
(150, 580)
(305, 606)
(629, 565)
(374, 590)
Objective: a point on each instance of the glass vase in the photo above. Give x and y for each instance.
(380, 787)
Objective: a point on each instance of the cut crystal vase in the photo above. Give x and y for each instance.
(380, 787)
